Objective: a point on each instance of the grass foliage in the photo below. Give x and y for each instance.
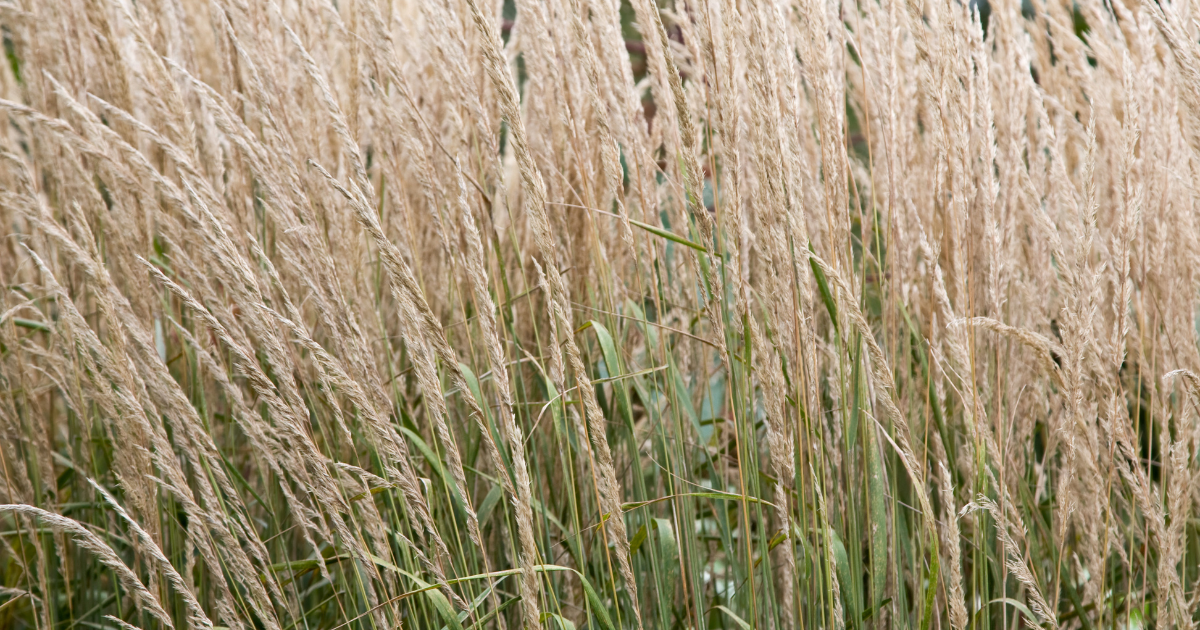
(599, 315)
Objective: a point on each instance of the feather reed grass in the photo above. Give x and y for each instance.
(601, 314)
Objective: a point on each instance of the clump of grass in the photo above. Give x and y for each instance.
(598, 314)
